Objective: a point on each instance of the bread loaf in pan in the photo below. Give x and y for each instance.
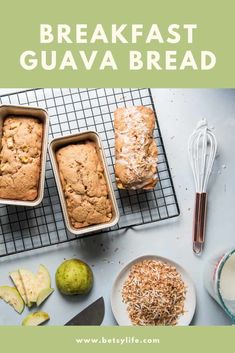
(20, 158)
(135, 148)
(84, 185)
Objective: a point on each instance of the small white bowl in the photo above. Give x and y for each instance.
(120, 309)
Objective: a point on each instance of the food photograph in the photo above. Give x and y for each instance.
(117, 207)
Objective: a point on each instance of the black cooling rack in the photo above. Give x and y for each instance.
(70, 111)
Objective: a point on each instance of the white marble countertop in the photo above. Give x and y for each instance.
(178, 112)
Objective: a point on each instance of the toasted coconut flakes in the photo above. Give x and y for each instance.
(154, 293)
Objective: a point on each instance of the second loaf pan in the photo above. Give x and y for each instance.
(63, 141)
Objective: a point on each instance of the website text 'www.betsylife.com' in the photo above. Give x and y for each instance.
(118, 340)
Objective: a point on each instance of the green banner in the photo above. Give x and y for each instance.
(117, 339)
(117, 43)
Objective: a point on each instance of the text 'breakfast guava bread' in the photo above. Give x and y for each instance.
(20, 158)
(84, 185)
(135, 148)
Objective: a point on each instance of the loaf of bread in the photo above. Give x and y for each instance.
(135, 148)
(20, 158)
(84, 185)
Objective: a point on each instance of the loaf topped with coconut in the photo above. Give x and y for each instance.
(135, 148)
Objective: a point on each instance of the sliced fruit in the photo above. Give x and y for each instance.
(35, 319)
(15, 276)
(30, 304)
(11, 296)
(43, 295)
(43, 278)
(29, 284)
(36, 287)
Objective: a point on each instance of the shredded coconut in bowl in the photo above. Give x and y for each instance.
(154, 293)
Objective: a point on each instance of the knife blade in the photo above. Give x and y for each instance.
(92, 315)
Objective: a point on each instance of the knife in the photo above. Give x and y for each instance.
(92, 315)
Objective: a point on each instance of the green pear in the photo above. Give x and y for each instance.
(11, 296)
(35, 319)
(74, 277)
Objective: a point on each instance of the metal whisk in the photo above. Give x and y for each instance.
(202, 149)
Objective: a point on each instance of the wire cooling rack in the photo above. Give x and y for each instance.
(70, 111)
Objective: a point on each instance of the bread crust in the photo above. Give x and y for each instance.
(20, 158)
(135, 148)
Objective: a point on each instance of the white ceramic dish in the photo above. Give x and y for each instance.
(120, 309)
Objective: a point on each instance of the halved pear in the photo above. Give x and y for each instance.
(43, 295)
(15, 276)
(11, 296)
(35, 319)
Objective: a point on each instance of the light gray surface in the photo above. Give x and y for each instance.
(178, 112)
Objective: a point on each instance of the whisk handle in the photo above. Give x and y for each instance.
(199, 225)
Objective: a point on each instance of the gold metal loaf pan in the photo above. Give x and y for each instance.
(59, 142)
(30, 112)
